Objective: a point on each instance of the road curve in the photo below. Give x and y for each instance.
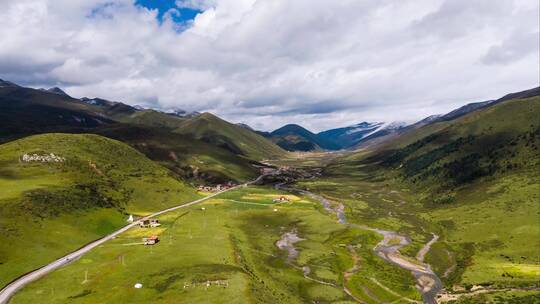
(9, 290)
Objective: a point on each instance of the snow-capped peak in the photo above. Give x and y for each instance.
(363, 127)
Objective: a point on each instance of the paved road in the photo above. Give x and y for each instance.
(7, 292)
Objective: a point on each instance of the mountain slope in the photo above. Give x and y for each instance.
(473, 181)
(434, 123)
(226, 155)
(25, 111)
(293, 137)
(238, 140)
(191, 159)
(85, 191)
(481, 143)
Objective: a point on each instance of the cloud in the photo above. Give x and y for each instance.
(516, 47)
(270, 62)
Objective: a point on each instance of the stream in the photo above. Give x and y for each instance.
(427, 282)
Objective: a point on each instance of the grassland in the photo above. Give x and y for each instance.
(473, 181)
(232, 241)
(50, 208)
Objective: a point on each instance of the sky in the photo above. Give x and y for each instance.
(318, 63)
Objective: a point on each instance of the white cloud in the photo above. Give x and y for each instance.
(269, 62)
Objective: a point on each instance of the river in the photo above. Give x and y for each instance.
(427, 282)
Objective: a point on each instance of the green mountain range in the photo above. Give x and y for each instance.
(203, 147)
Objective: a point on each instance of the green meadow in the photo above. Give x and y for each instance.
(224, 251)
(48, 209)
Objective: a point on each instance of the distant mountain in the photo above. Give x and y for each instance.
(293, 137)
(239, 140)
(57, 90)
(437, 123)
(180, 113)
(520, 95)
(6, 84)
(114, 109)
(349, 136)
(464, 110)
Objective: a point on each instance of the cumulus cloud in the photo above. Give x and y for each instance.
(269, 62)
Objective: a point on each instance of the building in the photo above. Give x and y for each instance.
(152, 240)
(281, 199)
(149, 223)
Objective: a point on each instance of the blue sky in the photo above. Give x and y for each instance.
(163, 6)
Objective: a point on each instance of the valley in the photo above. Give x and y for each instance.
(443, 211)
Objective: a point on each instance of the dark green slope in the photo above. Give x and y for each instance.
(213, 152)
(495, 140)
(236, 139)
(193, 160)
(50, 208)
(25, 111)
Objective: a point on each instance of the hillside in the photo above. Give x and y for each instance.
(293, 137)
(87, 189)
(25, 111)
(410, 133)
(191, 159)
(236, 139)
(472, 181)
(495, 140)
(215, 153)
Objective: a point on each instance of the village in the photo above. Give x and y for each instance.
(216, 188)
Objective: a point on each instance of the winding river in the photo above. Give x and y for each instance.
(427, 282)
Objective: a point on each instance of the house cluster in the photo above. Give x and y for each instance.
(216, 188)
(46, 158)
(150, 223)
(281, 199)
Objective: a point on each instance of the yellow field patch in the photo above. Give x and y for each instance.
(530, 270)
(290, 197)
(138, 232)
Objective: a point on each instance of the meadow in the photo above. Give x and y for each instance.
(224, 251)
(48, 209)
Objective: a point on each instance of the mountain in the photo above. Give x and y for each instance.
(354, 135)
(216, 151)
(180, 113)
(293, 137)
(434, 123)
(113, 109)
(465, 109)
(214, 130)
(487, 141)
(61, 191)
(6, 84)
(57, 90)
(25, 111)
